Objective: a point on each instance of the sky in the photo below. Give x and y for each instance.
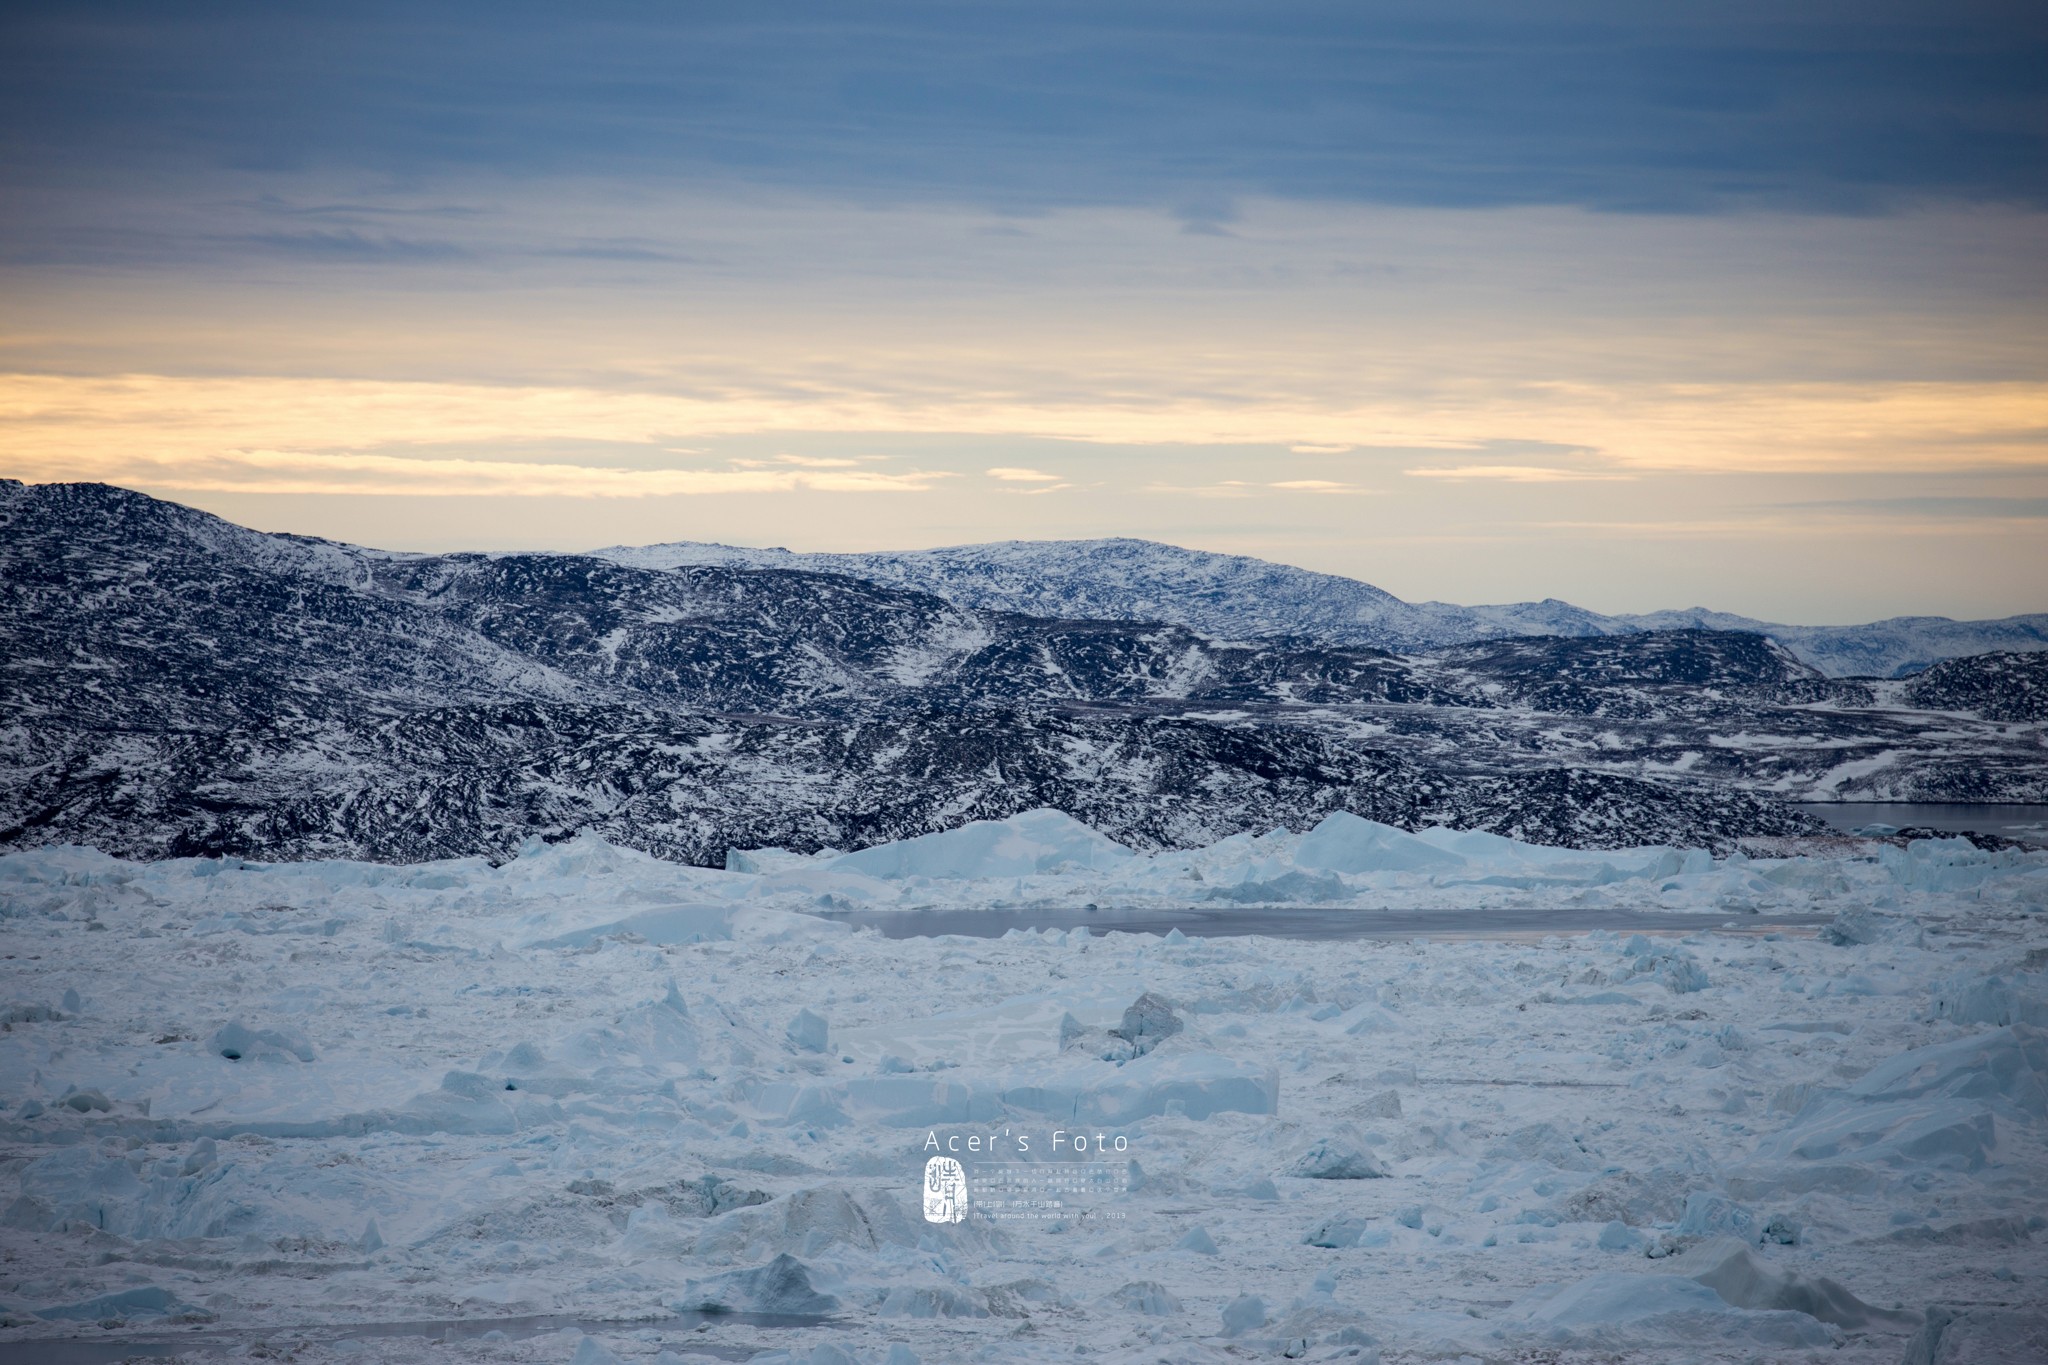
(1739, 305)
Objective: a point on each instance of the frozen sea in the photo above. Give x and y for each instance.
(1284, 921)
(1468, 1100)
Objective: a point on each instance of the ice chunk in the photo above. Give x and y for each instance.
(1713, 1215)
(1948, 865)
(1371, 1018)
(1198, 1084)
(1336, 1232)
(1197, 1240)
(1979, 1336)
(1858, 926)
(102, 1192)
(1074, 1087)
(1544, 1142)
(1595, 998)
(1148, 1297)
(1782, 1230)
(1336, 1158)
(826, 1353)
(933, 1301)
(1932, 1106)
(1619, 1236)
(1384, 1104)
(1346, 843)
(635, 1051)
(813, 1220)
(1986, 1231)
(781, 1286)
(1287, 888)
(1853, 1139)
(666, 924)
(1243, 1314)
(150, 1301)
(1731, 1269)
(1667, 964)
(760, 925)
(1148, 1021)
(28, 1214)
(1994, 1000)
(1036, 841)
(466, 1102)
(591, 1351)
(2008, 1066)
(237, 1042)
(1620, 1308)
(759, 860)
(808, 1032)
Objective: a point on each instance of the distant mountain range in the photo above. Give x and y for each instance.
(173, 684)
(1231, 597)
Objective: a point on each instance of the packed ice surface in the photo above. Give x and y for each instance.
(1045, 857)
(282, 1102)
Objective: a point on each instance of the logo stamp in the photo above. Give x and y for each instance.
(945, 1191)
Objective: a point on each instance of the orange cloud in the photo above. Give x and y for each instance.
(250, 434)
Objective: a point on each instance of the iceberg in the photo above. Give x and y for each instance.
(1035, 842)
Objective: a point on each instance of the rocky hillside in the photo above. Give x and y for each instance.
(176, 684)
(1234, 597)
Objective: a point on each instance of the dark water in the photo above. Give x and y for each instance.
(1312, 923)
(110, 1347)
(2028, 823)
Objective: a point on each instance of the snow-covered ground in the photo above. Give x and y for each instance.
(257, 1104)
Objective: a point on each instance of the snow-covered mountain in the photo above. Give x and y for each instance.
(1234, 597)
(175, 684)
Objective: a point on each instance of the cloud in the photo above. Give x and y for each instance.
(1484, 102)
(1517, 473)
(1775, 529)
(818, 461)
(303, 472)
(642, 255)
(1222, 488)
(1317, 486)
(80, 427)
(1320, 450)
(1252, 488)
(1934, 507)
(352, 247)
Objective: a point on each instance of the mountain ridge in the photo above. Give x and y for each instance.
(175, 684)
(1238, 596)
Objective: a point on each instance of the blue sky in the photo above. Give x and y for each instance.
(1640, 306)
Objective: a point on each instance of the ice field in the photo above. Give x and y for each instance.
(263, 1109)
